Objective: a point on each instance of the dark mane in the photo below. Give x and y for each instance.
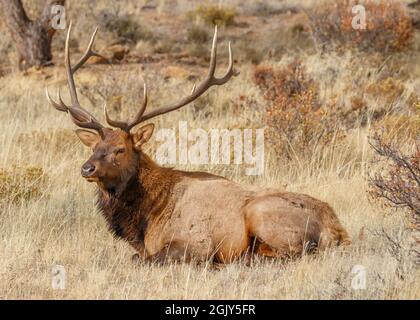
(144, 197)
(117, 208)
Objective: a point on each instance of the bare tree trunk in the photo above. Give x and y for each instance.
(32, 37)
(414, 11)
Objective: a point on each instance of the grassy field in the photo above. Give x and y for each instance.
(47, 211)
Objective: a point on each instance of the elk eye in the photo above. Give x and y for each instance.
(120, 150)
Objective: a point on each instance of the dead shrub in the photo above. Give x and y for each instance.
(125, 27)
(389, 89)
(397, 183)
(388, 26)
(297, 122)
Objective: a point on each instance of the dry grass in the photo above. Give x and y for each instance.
(60, 224)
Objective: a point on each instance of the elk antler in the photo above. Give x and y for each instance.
(84, 119)
(209, 81)
(79, 116)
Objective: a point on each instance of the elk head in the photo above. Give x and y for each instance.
(116, 151)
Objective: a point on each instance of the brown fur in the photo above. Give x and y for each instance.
(170, 214)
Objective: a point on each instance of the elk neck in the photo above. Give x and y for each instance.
(131, 205)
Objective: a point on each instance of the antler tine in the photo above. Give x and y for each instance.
(139, 115)
(114, 123)
(79, 117)
(229, 72)
(88, 52)
(69, 72)
(60, 99)
(75, 114)
(127, 126)
(60, 106)
(209, 81)
(213, 55)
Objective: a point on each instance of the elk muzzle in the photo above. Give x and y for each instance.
(88, 169)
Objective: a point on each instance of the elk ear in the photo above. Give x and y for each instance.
(88, 138)
(142, 135)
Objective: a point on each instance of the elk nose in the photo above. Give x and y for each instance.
(88, 169)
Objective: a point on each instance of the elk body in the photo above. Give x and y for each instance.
(170, 214)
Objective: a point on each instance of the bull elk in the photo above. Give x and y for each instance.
(171, 214)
